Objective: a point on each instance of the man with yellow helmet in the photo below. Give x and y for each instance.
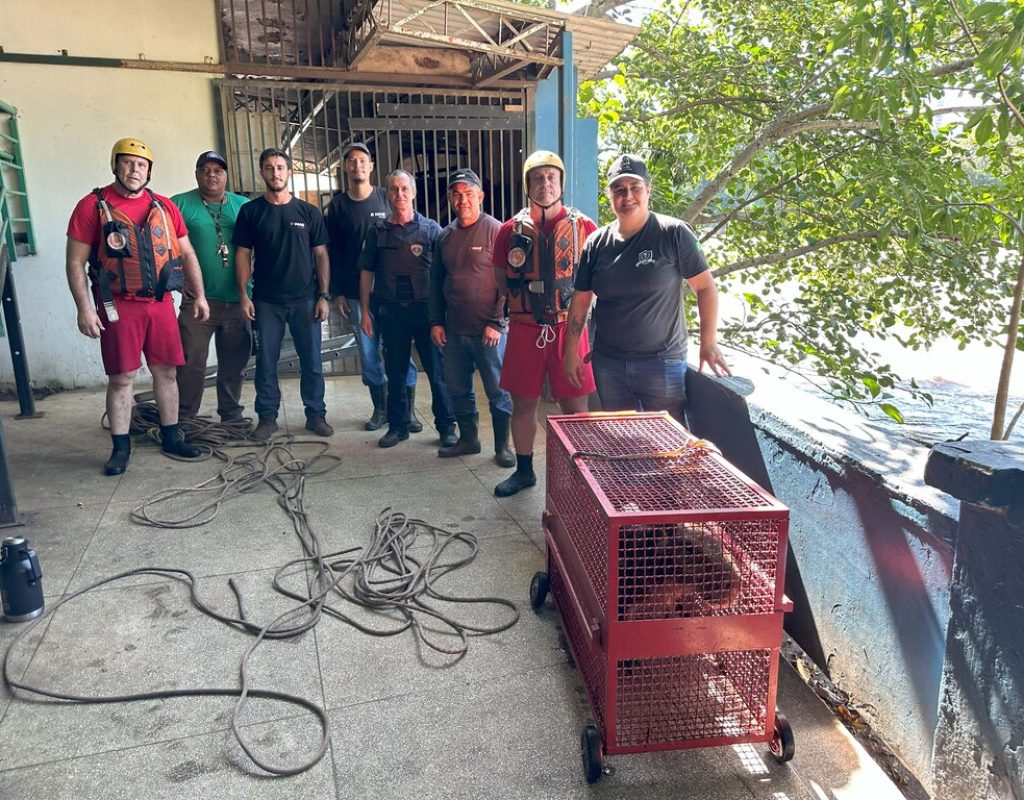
(535, 258)
(136, 248)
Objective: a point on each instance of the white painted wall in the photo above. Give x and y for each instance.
(70, 116)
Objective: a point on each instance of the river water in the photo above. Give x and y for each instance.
(957, 409)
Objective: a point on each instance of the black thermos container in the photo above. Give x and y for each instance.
(21, 580)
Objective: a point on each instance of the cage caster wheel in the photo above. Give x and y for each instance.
(592, 753)
(539, 587)
(782, 746)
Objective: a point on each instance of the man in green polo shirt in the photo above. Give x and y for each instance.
(210, 212)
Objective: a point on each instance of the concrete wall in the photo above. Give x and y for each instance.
(871, 559)
(70, 116)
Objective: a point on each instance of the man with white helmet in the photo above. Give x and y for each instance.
(136, 247)
(535, 258)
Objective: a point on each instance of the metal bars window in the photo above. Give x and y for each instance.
(428, 133)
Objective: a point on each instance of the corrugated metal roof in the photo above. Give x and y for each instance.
(505, 39)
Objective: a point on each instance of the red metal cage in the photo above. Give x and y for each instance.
(667, 567)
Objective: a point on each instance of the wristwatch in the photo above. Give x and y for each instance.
(325, 296)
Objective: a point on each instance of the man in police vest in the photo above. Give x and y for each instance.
(535, 258)
(209, 212)
(395, 267)
(137, 250)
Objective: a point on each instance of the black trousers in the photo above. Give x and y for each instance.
(402, 324)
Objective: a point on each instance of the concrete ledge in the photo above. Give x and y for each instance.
(871, 545)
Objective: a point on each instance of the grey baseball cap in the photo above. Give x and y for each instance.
(464, 175)
(356, 146)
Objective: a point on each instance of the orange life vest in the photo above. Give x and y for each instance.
(541, 266)
(134, 260)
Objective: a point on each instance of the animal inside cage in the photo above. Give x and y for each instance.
(667, 568)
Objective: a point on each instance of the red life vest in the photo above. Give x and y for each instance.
(134, 260)
(541, 266)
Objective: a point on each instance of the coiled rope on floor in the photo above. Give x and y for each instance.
(393, 578)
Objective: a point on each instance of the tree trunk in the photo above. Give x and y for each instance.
(1010, 348)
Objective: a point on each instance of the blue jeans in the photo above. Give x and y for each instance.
(271, 319)
(646, 384)
(461, 354)
(400, 325)
(369, 350)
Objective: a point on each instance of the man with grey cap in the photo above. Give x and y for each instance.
(468, 318)
(210, 212)
(635, 267)
(348, 220)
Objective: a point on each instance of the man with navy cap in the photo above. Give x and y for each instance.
(210, 212)
(635, 267)
(468, 319)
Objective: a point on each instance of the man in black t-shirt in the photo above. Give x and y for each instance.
(348, 220)
(278, 238)
(635, 267)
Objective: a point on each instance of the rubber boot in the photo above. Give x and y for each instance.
(173, 443)
(469, 438)
(522, 478)
(118, 461)
(415, 426)
(379, 395)
(503, 457)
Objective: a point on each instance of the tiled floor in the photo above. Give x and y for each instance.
(503, 722)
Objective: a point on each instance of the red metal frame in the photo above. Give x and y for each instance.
(667, 567)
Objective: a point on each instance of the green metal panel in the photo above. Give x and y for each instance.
(13, 187)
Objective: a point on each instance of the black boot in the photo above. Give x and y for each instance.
(266, 428)
(393, 437)
(173, 442)
(469, 438)
(379, 395)
(503, 457)
(118, 461)
(522, 478)
(415, 426)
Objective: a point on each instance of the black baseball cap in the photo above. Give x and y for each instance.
(628, 165)
(464, 175)
(211, 155)
(356, 146)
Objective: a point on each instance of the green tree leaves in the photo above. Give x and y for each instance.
(828, 154)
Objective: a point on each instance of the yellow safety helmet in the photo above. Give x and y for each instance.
(130, 147)
(541, 158)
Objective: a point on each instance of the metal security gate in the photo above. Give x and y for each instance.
(428, 133)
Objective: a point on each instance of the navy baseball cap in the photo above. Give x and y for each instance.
(356, 146)
(211, 155)
(464, 175)
(628, 165)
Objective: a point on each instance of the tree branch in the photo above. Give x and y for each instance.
(788, 127)
(785, 255)
(679, 108)
(598, 8)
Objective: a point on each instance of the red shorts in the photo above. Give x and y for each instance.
(526, 363)
(150, 328)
